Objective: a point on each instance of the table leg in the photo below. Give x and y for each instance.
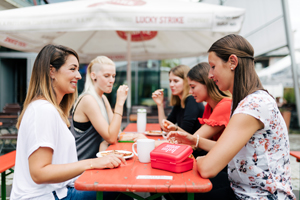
(155, 196)
(3, 186)
(190, 196)
(99, 195)
(137, 197)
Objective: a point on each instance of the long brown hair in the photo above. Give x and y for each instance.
(200, 73)
(246, 80)
(181, 71)
(40, 85)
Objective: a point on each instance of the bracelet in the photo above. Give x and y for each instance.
(118, 114)
(197, 141)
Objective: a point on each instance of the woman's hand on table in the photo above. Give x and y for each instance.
(169, 126)
(179, 137)
(109, 161)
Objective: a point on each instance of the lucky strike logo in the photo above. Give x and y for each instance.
(120, 2)
(138, 36)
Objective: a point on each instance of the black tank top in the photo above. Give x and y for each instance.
(83, 126)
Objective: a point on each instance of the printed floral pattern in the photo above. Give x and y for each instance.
(261, 170)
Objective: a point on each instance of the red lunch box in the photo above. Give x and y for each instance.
(172, 157)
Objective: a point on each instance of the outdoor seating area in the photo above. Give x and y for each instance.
(149, 99)
(7, 162)
(8, 131)
(123, 179)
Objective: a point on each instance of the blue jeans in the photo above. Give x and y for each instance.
(74, 194)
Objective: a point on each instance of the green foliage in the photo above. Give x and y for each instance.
(170, 63)
(289, 95)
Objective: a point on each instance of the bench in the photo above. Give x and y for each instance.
(12, 108)
(8, 131)
(7, 161)
(4, 138)
(296, 154)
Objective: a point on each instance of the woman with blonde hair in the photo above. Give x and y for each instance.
(186, 110)
(46, 160)
(93, 120)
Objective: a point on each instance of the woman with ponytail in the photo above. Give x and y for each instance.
(94, 122)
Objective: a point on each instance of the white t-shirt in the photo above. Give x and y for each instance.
(42, 126)
(261, 169)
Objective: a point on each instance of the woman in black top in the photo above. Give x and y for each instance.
(186, 110)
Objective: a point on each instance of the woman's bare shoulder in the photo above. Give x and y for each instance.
(87, 101)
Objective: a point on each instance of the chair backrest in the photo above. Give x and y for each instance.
(15, 105)
(12, 108)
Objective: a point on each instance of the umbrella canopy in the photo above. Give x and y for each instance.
(159, 29)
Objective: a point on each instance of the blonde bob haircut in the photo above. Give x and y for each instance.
(199, 73)
(181, 71)
(41, 86)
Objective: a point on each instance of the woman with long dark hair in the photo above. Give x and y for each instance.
(255, 143)
(46, 160)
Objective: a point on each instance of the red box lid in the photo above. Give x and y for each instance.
(174, 153)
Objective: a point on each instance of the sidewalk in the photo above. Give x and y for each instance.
(295, 146)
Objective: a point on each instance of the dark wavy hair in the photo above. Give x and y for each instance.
(200, 73)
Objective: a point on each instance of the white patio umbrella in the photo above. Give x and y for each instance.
(159, 29)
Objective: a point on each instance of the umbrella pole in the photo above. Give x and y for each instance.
(290, 43)
(128, 103)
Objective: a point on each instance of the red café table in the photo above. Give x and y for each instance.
(124, 178)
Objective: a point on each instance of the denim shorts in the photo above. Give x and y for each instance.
(74, 194)
(77, 195)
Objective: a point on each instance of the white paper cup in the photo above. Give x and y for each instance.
(144, 147)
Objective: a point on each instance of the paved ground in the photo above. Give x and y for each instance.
(294, 146)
